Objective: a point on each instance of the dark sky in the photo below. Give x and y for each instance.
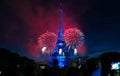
(22, 21)
(102, 26)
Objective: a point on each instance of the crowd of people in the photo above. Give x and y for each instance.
(12, 64)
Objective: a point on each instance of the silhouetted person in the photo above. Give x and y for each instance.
(73, 71)
(55, 70)
(55, 63)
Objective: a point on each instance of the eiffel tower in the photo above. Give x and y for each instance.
(61, 52)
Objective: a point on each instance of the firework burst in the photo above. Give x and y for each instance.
(73, 37)
(47, 42)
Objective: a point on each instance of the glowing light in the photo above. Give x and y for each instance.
(115, 66)
(61, 57)
(61, 64)
(75, 51)
(60, 51)
(43, 50)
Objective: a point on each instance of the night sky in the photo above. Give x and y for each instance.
(22, 21)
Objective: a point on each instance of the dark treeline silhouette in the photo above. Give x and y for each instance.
(11, 64)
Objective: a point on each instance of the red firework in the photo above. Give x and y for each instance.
(73, 37)
(47, 42)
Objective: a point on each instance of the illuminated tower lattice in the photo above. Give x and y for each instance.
(61, 53)
(60, 43)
